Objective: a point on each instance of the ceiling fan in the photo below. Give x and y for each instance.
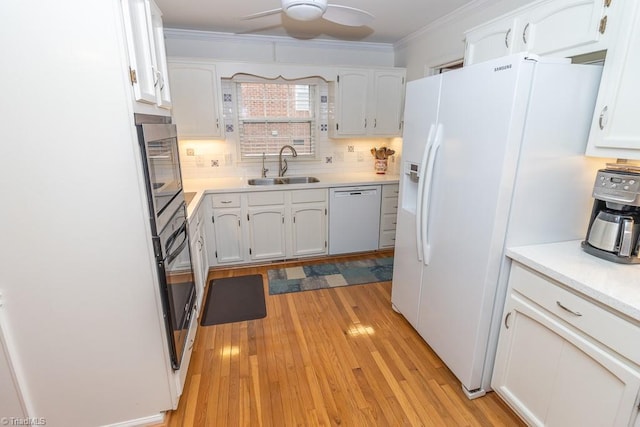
(309, 10)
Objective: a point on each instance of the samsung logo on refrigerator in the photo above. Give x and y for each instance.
(502, 68)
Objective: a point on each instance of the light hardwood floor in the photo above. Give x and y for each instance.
(336, 356)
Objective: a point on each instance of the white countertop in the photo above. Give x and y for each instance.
(236, 184)
(616, 286)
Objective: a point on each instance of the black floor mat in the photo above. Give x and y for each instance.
(234, 299)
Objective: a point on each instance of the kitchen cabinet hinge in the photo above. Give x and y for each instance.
(249, 251)
(325, 211)
(247, 217)
(603, 25)
(337, 126)
(132, 76)
(213, 219)
(294, 219)
(338, 79)
(325, 243)
(216, 254)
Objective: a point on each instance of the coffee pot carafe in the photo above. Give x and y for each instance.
(614, 226)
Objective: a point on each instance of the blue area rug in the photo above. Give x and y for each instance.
(319, 276)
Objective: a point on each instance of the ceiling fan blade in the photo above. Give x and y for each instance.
(261, 14)
(345, 15)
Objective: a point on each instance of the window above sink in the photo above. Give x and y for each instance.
(272, 113)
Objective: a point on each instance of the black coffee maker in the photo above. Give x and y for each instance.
(614, 227)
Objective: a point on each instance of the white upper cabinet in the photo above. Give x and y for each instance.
(615, 130)
(492, 40)
(366, 103)
(561, 27)
(350, 94)
(388, 101)
(196, 100)
(147, 57)
(548, 27)
(163, 94)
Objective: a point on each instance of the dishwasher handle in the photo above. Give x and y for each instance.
(352, 193)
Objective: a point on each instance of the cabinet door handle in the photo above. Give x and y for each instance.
(156, 77)
(506, 38)
(524, 33)
(602, 121)
(225, 201)
(506, 320)
(575, 313)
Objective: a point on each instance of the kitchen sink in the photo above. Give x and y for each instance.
(283, 180)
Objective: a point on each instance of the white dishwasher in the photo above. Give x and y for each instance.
(354, 219)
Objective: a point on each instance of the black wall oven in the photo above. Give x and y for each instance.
(169, 227)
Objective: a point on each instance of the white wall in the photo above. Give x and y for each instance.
(263, 49)
(77, 277)
(443, 41)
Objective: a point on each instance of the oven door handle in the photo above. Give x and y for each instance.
(173, 255)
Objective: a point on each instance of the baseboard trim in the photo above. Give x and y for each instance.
(145, 421)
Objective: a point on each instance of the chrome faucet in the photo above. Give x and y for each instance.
(283, 169)
(264, 170)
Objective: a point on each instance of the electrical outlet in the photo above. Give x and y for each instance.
(191, 152)
(215, 163)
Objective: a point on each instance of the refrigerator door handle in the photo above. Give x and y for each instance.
(426, 197)
(421, 179)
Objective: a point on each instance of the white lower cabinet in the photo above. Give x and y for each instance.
(228, 233)
(199, 257)
(309, 229)
(388, 215)
(308, 222)
(268, 225)
(562, 360)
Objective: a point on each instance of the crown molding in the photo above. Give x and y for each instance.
(177, 33)
(452, 16)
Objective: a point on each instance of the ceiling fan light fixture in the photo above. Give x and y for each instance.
(304, 10)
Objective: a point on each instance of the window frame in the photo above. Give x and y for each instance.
(315, 136)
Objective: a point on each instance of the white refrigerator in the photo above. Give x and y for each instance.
(493, 156)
